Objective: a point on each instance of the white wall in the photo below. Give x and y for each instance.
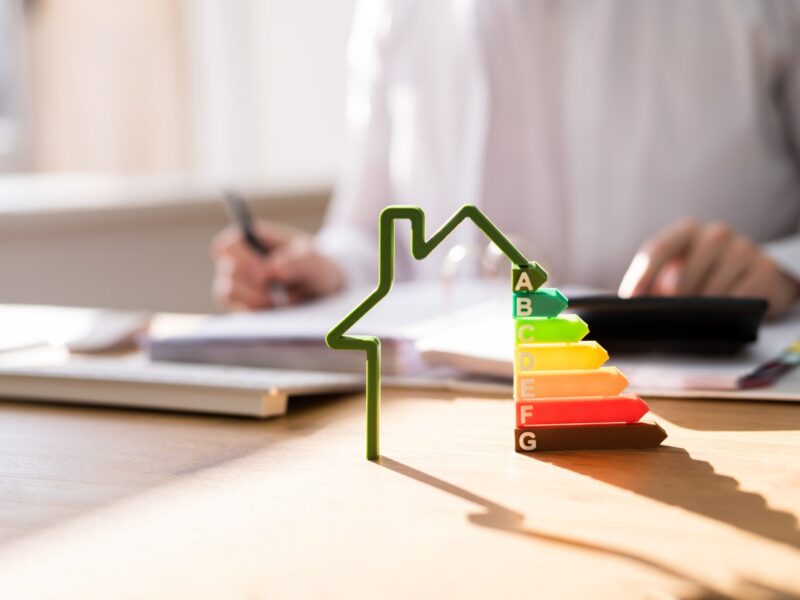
(123, 242)
(269, 87)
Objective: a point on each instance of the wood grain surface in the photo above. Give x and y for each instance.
(99, 503)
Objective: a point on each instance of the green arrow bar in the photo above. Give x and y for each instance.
(532, 330)
(544, 302)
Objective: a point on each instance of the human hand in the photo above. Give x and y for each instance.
(691, 258)
(243, 277)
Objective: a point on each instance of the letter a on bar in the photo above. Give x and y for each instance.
(527, 278)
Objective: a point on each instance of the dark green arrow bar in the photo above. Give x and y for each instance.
(544, 302)
(527, 277)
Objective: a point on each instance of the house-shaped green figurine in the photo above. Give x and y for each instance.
(420, 248)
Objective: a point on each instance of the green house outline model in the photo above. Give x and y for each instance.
(420, 248)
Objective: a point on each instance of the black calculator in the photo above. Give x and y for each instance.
(671, 324)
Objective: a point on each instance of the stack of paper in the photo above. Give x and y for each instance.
(429, 331)
(294, 338)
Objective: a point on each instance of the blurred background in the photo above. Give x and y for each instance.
(120, 121)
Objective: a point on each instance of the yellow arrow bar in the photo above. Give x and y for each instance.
(559, 357)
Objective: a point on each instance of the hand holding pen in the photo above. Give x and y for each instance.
(263, 265)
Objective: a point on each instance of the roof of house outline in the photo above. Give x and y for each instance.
(420, 248)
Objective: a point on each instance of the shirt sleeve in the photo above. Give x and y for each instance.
(350, 233)
(786, 251)
(786, 254)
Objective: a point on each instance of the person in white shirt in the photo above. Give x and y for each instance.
(649, 147)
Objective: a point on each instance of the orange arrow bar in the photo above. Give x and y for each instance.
(605, 381)
(562, 411)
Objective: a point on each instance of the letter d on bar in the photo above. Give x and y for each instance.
(524, 360)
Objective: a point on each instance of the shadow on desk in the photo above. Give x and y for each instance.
(703, 491)
(497, 516)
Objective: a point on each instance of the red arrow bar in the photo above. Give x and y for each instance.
(628, 408)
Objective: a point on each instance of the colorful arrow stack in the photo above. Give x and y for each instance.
(565, 398)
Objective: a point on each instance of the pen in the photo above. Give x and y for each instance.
(772, 370)
(237, 211)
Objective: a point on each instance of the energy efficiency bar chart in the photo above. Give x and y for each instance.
(565, 398)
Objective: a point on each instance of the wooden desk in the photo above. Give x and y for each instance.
(110, 503)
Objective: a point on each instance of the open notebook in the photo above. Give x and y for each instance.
(294, 338)
(288, 347)
(452, 344)
(430, 336)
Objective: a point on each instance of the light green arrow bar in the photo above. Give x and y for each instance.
(567, 328)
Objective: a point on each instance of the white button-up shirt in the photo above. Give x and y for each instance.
(579, 128)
